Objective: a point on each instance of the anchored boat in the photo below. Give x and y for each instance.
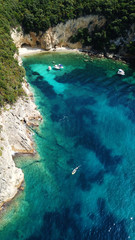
(121, 72)
(58, 67)
(74, 170)
(49, 68)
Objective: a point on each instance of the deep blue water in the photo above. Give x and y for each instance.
(88, 121)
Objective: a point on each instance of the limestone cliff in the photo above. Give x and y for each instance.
(16, 137)
(10, 176)
(59, 35)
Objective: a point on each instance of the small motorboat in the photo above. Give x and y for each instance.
(49, 68)
(56, 67)
(74, 170)
(121, 72)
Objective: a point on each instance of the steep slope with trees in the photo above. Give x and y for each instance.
(10, 73)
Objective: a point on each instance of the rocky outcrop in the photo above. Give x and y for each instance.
(21, 39)
(16, 122)
(16, 137)
(59, 35)
(63, 32)
(10, 176)
(131, 33)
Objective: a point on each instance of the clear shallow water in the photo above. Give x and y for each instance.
(89, 120)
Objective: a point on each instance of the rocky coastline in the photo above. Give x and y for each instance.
(16, 122)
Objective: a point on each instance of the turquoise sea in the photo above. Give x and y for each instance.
(88, 121)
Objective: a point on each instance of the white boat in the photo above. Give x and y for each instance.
(74, 170)
(121, 72)
(49, 68)
(58, 67)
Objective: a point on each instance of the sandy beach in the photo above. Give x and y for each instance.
(31, 51)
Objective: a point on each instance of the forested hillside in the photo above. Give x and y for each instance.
(10, 73)
(39, 15)
(120, 14)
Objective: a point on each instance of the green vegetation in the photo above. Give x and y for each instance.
(131, 48)
(0, 153)
(39, 15)
(11, 74)
(119, 14)
(36, 15)
(1, 149)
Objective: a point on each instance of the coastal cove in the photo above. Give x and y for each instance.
(88, 121)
